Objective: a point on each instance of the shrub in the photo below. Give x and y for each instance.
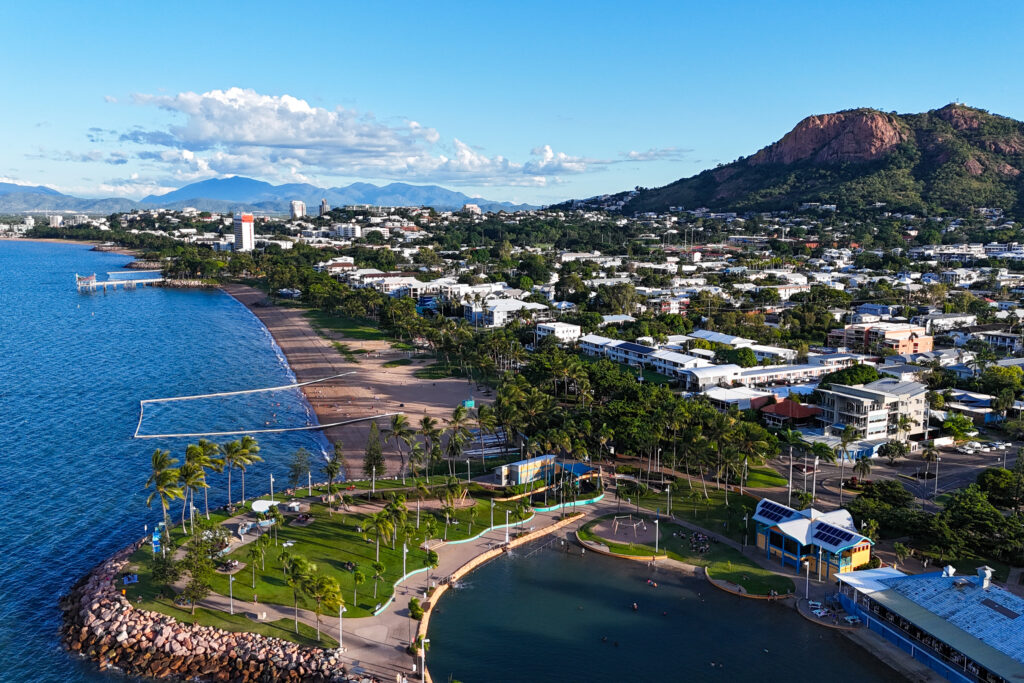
(415, 610)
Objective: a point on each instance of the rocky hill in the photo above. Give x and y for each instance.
(945, 160)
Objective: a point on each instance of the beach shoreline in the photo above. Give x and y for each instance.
(122, 251)
(372, 389)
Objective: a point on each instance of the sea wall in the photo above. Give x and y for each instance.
(102, 625)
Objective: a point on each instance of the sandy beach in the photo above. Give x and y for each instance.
(371, 390)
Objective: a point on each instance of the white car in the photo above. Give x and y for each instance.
(973, 444)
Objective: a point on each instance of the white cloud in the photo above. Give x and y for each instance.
(241, 131)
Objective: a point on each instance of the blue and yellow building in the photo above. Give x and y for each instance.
(827, 541)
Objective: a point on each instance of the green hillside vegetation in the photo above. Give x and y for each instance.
(952, 160)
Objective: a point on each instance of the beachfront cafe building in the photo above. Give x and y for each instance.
(542, 467)
(827, 541)
(963, 627)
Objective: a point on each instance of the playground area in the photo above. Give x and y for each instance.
(627, 529)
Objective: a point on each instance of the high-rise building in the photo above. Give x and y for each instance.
(56, 221)
(245, 235)
(298, 208)
(324, 207)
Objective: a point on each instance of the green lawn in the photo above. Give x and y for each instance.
(397, 363)
(329, 542)
(711, 514)
(403, 346)
(764, 477)
(439, 370)
(722, 561)
(364, 330)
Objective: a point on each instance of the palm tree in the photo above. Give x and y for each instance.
(192, 478)
(166, 489)
(250, 448)
(398, 433)
(458, 434)
(164, 480)
(298, 573)
(848, 436)
(378, 575)
(332, 468)
(791, 438)
(430, 528)
(751, 445)
(929, 455)
(430, 431)
(203, 455)
(730, 464)
(256, 552)
(486, 421)
(357, 578)
(381, 524)
(862, 468)
(232, 454)
(323, 589)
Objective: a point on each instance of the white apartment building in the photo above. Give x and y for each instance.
(298, 209)
(499, 312)
(245, 236)
(672, 363)
(56, 221)
(349, 231)
(565, 333)
(874, 409)
(699, 379)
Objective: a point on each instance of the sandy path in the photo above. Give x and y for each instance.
(372, 390)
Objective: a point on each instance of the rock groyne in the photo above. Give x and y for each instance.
(99, 623)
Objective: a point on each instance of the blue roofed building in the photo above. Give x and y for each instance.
(964, 627)
(828, 542)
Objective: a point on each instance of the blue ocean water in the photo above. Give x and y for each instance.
(73, 368)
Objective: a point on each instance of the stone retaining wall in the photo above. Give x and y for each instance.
(102, 625)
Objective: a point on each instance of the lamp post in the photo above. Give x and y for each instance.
(819, 563)
(231, 594)
(405, 551)
(506, 526)
(807, 582)
(814, 479)
(937, 461)
(341, 610)
(309, 483)
(468, 475)
(657, 537)
(423, 658)
(373, 479)
(492, 513)
(789, 484)
(271, 488)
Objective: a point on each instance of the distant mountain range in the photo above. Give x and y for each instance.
(237, 193)
(952, 159)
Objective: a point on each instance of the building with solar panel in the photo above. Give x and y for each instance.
(964, 627)
(827, 541)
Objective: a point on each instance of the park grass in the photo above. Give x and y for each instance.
(722, 561)
(330, 542)
(346, 351)
(353, 328)
(398, 363)
(440, 370)
(402, 346)
(764, 478)
(712, 514)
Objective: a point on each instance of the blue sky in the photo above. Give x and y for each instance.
(527, 101)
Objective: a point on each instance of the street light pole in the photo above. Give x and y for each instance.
(492, 513)
(937, 461)
(405, 551)
(506, 526)
(341, 610)
(789, 487)
(271, 488)
(231, 594)
(309, 483)
(814, 479)
(423, 658)
(373, 479)
(807, 582)
(657, 537)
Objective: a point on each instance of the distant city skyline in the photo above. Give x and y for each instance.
(531, 103)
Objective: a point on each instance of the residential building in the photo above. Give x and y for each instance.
(593, 344)
(671, 363)
(875, 409)
(298, 209)
(788, 413)
(565, 333)
(699, 379)
(940, 322)
(741, 398)
(245, 236)
(56, 221)
(324, 207)
(898, 337)
(498, 312)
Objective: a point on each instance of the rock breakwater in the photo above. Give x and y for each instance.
(102, 625)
